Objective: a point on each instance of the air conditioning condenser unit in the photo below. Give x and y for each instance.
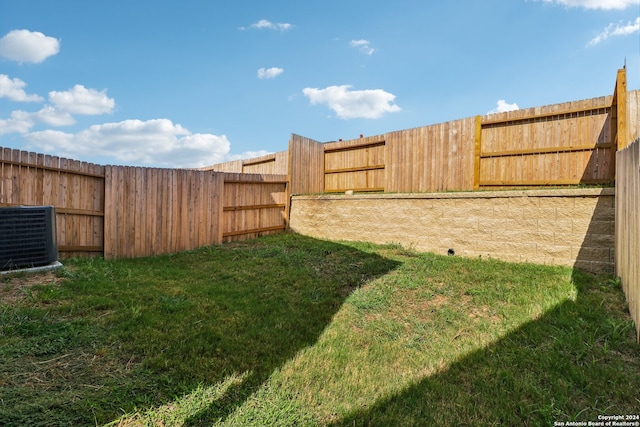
(27, 237)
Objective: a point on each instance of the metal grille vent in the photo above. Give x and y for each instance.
(27, 237)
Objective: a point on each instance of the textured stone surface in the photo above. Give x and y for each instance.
(558, 227)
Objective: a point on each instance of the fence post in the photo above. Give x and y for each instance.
(478, 150)
(108, 224)
(621, 106)
(219, 200)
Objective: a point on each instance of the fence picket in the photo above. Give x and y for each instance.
(627, 225)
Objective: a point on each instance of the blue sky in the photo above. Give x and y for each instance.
(196, 82)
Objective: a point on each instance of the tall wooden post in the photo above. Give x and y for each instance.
(478, 151)
(621, 105)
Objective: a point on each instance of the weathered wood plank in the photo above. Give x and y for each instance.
(627, 227)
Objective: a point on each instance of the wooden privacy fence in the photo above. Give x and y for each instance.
(426, 159)
(627, 223)
(123, 212)
(563, 144)
(154, 211)
(75, 188)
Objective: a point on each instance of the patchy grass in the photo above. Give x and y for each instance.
(289, 330)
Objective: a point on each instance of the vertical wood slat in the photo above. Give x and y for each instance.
(447, 157)
(627, 227)
(15, 177)
(621, 104)
(478, 150)
(633, 115)
(110, 221)
(72, 222)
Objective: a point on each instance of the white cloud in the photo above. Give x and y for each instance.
(269, 73)
(363, 45)
(613, 30)
(596, 4)
(80, 100)
(53, 116)
(77, 100)
(28, 46)
(503, 106)
(13, 89)
(158, 143)
(369, 104)
(20, 121)
(53, 141)
(263, 24)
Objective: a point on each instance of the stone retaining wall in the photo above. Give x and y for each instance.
(565, 227)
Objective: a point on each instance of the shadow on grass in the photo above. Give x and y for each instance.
(295, 287)
(174, 324)
(577, 361)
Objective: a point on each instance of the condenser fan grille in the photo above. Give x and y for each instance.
(27, 237)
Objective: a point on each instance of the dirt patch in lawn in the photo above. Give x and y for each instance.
(18, 286)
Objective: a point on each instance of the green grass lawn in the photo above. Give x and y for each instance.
(289, 330)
